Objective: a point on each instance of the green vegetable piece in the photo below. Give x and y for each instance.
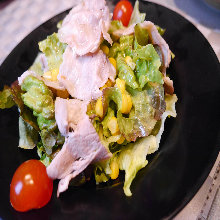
(160, 30)
(114, 26)
(114, 50)
(53, 50)
(49, 140)
(6, 99)
(136, 16)
(126, 73)
(109, 115)
(28, 136)
(44, 158)
(147, 65)
(47, 124)
(111, 93)
(141, 35)
(132, 158)
(141, 120)
(38, 97)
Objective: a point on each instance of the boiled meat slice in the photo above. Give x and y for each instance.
(82, 76)
(155, 39)
(82, 146)
(68, 113)
(85, 26)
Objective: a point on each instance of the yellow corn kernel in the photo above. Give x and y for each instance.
(51, 75)
(113, 62)
(120, 84)
(63, 94)
(54, 74)
(109, 83)
(113, 125)
(114, 168)
(99, 107)
(130, 62)
(47, 75)
(105, 49)
(126, 103)
(121, 140)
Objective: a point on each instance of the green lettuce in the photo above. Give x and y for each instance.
(53, 50)
(147, 65)
(141, 35)
(114, 26)
(38, 97)
(136, 16)
(110, 113)
(28, 136)
(6, 99)
(124, 47)
(126, 73)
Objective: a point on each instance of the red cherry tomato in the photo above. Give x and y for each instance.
(31, 188)
(123, 11)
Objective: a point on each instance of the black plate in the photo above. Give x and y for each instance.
(189, 144)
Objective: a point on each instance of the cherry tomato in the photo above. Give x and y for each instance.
(123, 11)
(31, 188)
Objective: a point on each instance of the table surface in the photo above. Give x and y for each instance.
(18, 18)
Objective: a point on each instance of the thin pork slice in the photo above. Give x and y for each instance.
(68, 113)
(82, 76)
(81, 148)
(85, 26)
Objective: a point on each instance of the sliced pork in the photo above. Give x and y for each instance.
(86, 25)
(155, 39)
(82, 146)
(68, 113)
(82, 76)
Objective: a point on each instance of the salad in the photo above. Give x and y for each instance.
(96, 97)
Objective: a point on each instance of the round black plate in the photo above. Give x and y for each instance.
(189, 144)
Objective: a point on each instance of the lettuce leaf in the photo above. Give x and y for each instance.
(111, 94)
(147, 65)
(148, 106)
(53, 50)
(124, 47)
(141, 35)
(114, 26)
(126, 73)
(136, 16)
(141, 119)
(38, 97)
(28, 136)
(6, 100)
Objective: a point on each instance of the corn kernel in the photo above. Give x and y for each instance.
(63, 94)
(126, 103)
(99, 107)
(114, 168)
(113, 62)
(47, 75)
(54, 74)
(121, 140)
(120, 84)
(109, 83)
(130, 62)
(105, 49)
(51, 75)
(113, 125)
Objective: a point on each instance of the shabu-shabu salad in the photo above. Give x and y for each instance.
(96, 96)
